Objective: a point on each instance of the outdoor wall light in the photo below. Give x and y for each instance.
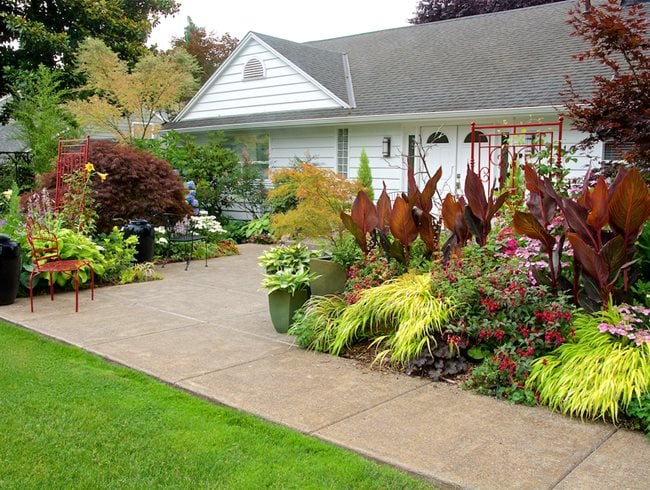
(385, 146)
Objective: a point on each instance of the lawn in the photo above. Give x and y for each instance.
(71, 419)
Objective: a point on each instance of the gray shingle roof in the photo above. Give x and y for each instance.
(511, 59)
(325, 66)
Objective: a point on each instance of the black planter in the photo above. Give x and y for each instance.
(9, 270)
(145, 233)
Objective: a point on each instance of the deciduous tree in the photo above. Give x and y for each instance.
(619, 107)
(47, 32)
(126, 102)
(208, 49)
(435, 10)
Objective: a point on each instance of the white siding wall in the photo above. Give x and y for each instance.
(585, 158)
(388, 170)
(319, 146)
(282, 89)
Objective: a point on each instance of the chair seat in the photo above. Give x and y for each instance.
(186, 237)
(62, 265)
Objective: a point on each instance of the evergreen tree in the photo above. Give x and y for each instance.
(364, 175)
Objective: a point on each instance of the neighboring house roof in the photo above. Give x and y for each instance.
(511, 59)
(9, 135)
(9, 139)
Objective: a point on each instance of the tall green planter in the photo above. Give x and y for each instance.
(283, 305)
(331, 277)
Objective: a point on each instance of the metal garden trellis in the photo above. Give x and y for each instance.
(506, 145)
(73, 156)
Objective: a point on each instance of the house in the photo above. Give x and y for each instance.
(407, 95)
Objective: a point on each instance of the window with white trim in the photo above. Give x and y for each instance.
(253, 69)
(342, 151)
(615, 150)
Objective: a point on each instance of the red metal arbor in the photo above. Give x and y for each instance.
(73, 156)
(501, 148)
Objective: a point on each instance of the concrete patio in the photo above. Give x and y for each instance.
(208, 331)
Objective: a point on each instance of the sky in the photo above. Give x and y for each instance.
(295, 20)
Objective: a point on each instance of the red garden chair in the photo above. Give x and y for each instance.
(45, 255)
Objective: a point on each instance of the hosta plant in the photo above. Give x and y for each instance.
(287, 280)
(289, 257)
(602, 372)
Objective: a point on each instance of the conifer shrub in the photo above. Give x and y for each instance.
(364, 175)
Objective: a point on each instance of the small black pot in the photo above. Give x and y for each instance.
(145, 233)
(9, 270)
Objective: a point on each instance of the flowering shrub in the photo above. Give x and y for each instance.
(634, 324)
(78, 209)
(191, 199)
(5, 199)
(206, 225)
(505, 321)
(374, 270)
(596, 374)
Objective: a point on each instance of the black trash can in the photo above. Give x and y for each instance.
(145, 233)
(9, 270)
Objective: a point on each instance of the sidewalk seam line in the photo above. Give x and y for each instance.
(578, 463)
(145, 334)
(313, 432)
(224, 368)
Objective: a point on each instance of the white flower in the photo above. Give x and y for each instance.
(7, 194)
(207, 223)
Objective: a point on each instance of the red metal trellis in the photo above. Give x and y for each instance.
(73, 156)
(507, 145)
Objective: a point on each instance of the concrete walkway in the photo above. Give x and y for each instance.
(208, 331)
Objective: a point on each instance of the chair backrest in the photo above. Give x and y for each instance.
(176, 225)
(43, 242)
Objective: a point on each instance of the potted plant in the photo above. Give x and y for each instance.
(287, 281)
(331, 268)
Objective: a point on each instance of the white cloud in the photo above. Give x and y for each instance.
(296, 20)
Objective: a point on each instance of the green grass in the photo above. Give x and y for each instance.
(69, 419)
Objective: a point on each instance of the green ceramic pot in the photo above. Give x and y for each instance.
(331, 277)
(283, 305)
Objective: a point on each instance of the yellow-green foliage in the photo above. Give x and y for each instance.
(322, 195)
(403, 312)
(316, 328)
(595, 375)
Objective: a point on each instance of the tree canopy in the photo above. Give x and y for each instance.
(618, 109)
(435, 10)
(41, 116)
(209, 50)
(47, 32)
(126, 102)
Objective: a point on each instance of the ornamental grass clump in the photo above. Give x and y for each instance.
(315, 326)
(604, 370)
(402, 315)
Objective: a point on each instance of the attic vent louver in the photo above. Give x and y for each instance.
(253, 69)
